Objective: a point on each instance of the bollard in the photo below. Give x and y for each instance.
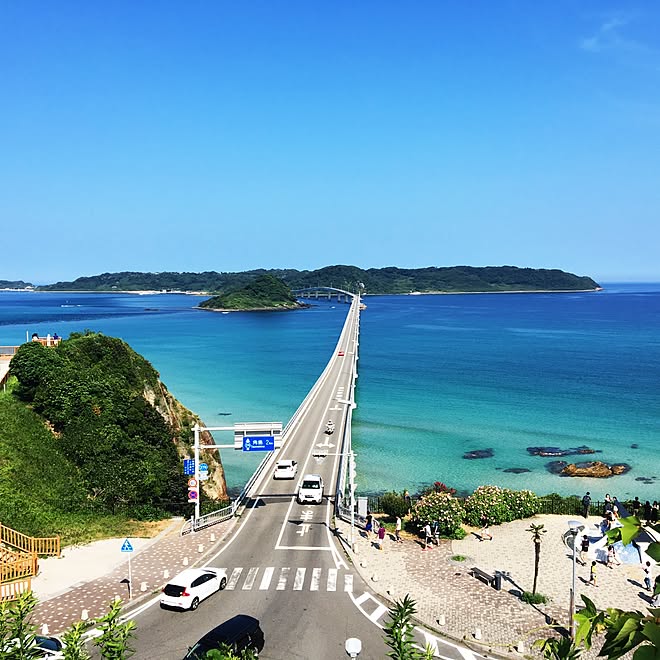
(212, 537)
(117, 597)
(374, 577)
(166, 575)
(477, 633)
(185, 561)
(84, 615)
(44, 630)
(200, 548)
(363, 563)
(442, 620)
(143, 586)
(520, 647)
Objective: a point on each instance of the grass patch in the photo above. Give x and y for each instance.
(533, 599)
(459, 558)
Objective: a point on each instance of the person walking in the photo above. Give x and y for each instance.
(586, 503)
(369, 525)
(428, 536)
(436, 531)
(612, 559)
(584, 549)
(381, 536)
(593, 577)
(397, 529)
(407, 500)
(484, 534)
(647, 575)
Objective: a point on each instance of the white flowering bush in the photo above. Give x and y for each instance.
(495, 505)
(444, 508)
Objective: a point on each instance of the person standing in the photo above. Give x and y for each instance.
(647, 512)
(608, 504)
(584, 549)
(655, 512)
(397, 529)
(647, 575)
(381, 536)
(428, 536)
(612, 559)
(636, 507)
(586, 503)
(406, 499)
(593, 577)
(484, 534)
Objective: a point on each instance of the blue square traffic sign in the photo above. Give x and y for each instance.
(188, 466)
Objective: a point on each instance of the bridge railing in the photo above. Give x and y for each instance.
(12, 590)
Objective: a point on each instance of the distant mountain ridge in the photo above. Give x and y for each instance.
(15, 284)
(390, 280)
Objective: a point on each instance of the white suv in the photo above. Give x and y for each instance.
(311, 489)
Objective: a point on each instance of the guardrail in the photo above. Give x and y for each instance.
(15, 566)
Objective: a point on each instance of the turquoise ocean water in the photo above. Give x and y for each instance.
(438, 376)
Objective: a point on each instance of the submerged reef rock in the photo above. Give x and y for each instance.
(596, 469)
(556, 451)
(516, 470)
(479, 453)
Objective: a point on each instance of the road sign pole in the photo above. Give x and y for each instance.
(130, 578)
(196, 430)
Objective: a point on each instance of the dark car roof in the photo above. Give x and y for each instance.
(230, 629)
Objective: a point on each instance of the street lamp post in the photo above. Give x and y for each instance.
(574, 526)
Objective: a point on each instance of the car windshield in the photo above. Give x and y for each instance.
(173, 590)
(310, 484)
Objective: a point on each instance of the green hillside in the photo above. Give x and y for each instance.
(264, 292)
(88, 433)
(375, 280)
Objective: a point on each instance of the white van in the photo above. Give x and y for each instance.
(311, 489)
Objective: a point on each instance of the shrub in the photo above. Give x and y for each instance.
(444, 508)
(533, 599)
(438, 487)
(497, 505)
(393, 504)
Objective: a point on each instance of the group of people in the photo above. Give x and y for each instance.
(372, 526)
(648, 512)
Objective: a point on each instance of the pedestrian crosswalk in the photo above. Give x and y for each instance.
(287, 578)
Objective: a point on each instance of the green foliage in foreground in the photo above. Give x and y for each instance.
(265, 292)
(497, 505)
(17, 633)
(399, 632)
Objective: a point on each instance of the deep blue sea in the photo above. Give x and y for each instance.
(439, 375)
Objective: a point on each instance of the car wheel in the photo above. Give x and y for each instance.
(195, 604)
(223, 583)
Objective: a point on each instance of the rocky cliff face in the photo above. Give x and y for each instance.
(182, 421)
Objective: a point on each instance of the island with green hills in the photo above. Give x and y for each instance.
(371, 281)
(264, 293)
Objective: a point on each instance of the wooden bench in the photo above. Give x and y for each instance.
(482, 575)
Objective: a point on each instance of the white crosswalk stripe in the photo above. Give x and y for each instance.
(249, 580)
(233, 578)
(266, 578)
(284, 576)
(332, 579)
(299, 580)
(261, 578)
(316, 579)
(348, 582)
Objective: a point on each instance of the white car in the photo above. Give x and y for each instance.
(285, 469)
(190, 587)
(310, 489)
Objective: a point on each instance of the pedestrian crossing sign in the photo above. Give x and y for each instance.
(127, 547)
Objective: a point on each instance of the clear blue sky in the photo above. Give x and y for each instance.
(227, 136)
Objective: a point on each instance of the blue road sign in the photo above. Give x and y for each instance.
(258, 443)
(188, 466)
(203, 467)
(127, 547)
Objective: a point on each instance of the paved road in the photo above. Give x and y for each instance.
(284, 565)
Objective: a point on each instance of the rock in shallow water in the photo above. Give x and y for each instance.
(595, 469)
(516, 470)
(556, 451)
(479, 453)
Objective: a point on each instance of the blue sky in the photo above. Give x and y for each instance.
(226, 136)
